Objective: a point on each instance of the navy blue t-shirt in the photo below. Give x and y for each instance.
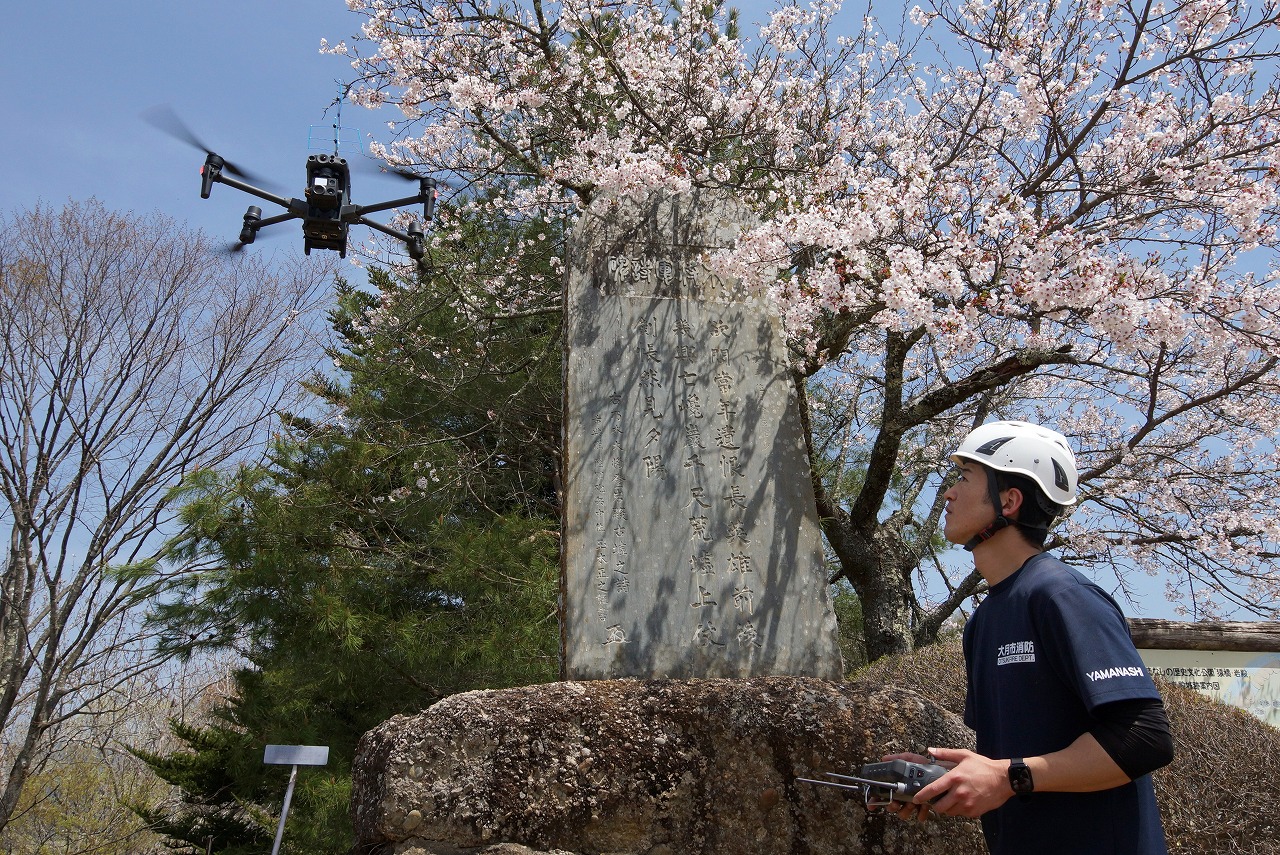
(1043, 650)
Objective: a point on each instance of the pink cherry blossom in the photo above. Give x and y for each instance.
(1056, 211)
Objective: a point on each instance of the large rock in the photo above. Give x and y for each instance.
(660, 767)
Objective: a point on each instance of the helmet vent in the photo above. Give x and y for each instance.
(1060, 476)
(990, 448)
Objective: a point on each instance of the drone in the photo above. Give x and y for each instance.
(326, 210)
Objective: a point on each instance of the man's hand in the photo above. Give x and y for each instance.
(975, 784)
(919, 811)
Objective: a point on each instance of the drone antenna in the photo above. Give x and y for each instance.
(322, 137)
(337, 119)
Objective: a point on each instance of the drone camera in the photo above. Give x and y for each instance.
(327, 181)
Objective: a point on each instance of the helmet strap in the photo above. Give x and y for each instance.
(1001, 521)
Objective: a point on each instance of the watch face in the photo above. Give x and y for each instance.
(1020, 778)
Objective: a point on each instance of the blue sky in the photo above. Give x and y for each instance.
(246, 76)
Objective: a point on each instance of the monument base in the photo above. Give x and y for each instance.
(664, 767)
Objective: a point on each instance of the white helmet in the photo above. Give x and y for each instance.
(1022, 448)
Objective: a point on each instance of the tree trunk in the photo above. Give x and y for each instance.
(886, 613)
(876, 564)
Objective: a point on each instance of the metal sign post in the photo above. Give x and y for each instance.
(295, 756)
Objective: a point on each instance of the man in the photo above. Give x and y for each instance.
(1069, 724)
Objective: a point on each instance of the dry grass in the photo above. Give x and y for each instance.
(1218, 797)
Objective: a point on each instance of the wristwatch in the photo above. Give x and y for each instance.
(1020, 777)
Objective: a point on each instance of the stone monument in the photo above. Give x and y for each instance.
(691, 542)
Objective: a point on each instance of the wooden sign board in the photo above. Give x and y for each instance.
(1235, 663)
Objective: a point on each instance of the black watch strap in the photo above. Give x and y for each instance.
(1020, 777)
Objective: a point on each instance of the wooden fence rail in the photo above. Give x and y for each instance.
(1247, 637)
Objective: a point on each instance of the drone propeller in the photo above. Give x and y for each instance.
(384, 168)
(250, 232)
(398, 172)
(164, 118)
(257, 234)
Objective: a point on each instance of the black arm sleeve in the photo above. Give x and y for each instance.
(1135, 734)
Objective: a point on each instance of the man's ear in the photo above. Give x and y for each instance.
(1011, 501)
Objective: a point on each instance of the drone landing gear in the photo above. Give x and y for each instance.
(249, 230)
(415, 243)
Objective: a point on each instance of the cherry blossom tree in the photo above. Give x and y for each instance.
(1059, 211)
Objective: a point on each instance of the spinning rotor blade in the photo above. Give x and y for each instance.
(400, 172)
(384, 168)
(165, 119)
(239, 246)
